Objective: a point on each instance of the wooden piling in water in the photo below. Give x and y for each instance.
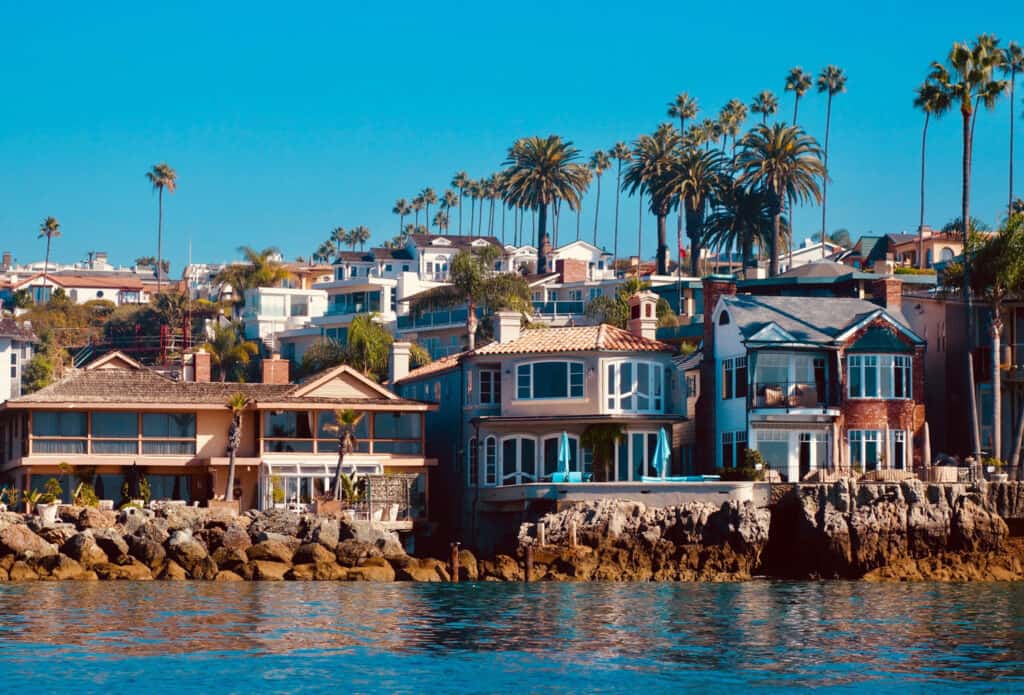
(529, 563)
(455, 563)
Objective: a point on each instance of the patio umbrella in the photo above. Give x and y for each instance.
(563, 453)
(662, 455)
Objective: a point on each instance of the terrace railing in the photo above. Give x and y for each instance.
(787, 394)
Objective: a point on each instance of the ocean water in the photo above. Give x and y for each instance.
(344, 637)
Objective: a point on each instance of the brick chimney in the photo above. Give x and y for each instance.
(643, 315)
(887, 292)
(506, 326)
(398, 364)
(5, 263)
(275, 370)
(715, 286)
(199, 369)
(571, 269)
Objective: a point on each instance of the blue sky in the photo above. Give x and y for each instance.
(284, 121)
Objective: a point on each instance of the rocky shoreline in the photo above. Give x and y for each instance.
(845, 530)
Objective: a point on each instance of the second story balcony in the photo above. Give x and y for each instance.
(559, 308)
(786, 394)
(435, 319)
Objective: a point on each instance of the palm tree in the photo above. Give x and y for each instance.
(599, 163)
(732, 117)
(50, 228)
(417, 205)
(339, 237)
(740, 215)
(324, 253)
(1012, 64)
(682, 107)
(766, 104)
(798, 82)
(620, 153)
(236, 403)
(449, 201)
(831, 81)
(589, 176)
(402, 208)
(966, 78)
(459, 182)
(601, 439)
(344, 427)
(541, 171)
(695, 180)
(440, 221)
(429, 198)
(260, 269)
(473, 283)
(228, 350)
(932, 100)
(162, 177)
(360, 235)
(784, 161)
(653, 172)
(480, 192)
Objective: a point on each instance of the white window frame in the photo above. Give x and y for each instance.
(519, 476)
(494, 392)
(542, 442)
(629, 452)
(655, 387)
(862, 439)
(490, 461)
(568, 380)
(885, 364)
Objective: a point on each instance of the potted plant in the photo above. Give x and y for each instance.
(995, 467)
(48, 502)
(85, 496)
(30, 498)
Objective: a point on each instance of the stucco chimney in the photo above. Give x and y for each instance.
(506, 326)
(398, 365)
(201, 361)
(643, 315)
(275, 370)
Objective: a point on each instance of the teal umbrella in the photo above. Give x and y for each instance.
(564, 457)
(662, 455)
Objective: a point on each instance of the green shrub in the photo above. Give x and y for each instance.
(52, 492)
(748, 470)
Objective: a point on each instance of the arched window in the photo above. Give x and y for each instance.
(550, 450)
(518, 460)
(946, 254)
(723, 318)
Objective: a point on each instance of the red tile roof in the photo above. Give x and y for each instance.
(435, 367)
(604, 338)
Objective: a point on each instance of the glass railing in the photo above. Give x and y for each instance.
(435, 319)
(556, 308)
(788, 394)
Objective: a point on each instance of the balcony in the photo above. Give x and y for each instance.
(435, 319)
(558, 308)
(788, 394)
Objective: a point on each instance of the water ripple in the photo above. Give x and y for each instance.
(313, 637)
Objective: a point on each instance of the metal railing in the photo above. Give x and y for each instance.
(787, 394)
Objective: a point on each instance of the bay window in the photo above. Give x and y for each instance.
(549, 380)
(879, 376)
(635, 387)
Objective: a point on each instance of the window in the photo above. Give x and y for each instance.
(879, 376)
(723, 318)
(405, 267)
(168, 433)
(550, 449)
(633, 455)
(727, 440)
(740, 438)
(61, 432)
(576, 295)
(490, 386)
(595, 292)
(289, 431)
(327, 435)
(635, 386)
(115, 433)
(864, 449)
(473, 462)
(549, 380)
(397, 433)
(734, 378)
(491, 461)
(387, 267)
(691, 386)
(898, 449)
(356, 302)
(518, 460)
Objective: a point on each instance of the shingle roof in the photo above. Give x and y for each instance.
(820, 320)
(9, 328)
(436, 367)
(354, 256)
(458, 242)
(575, 339)
(818, 269)
(382, 254)
(119, 281)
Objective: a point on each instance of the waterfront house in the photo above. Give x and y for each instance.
(506, 406)
(811, 384)
(115, 416)
(17, 342)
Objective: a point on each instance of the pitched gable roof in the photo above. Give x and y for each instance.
(438, 366)
(603, 338)
(9, 328)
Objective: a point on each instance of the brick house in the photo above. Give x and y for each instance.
(812, 384)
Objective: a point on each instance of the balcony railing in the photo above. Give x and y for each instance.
(435, 319)
(787, 394)
(558, 308)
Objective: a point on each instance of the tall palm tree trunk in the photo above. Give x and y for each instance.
(542, 238)
(662, 260)
(480, 222)
(401, 223)
(773, 255)
(965, 216)
(796, 106)
(472, 213)
(824, 179)
(995, 330)
(618, 196)
(46, 264)
(578, 211)
(693, 232)
(159, 236)
(504, 211)
(597, 208)
(471, 324)
(920, 225)
(462, 199)
(640, 234)
(1013, 80)
(416, 219)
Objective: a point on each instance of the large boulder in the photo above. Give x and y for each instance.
(155, 529)
(271, 551)
(267, 571)
(373, 533)
(57, 534)
(323, 530)
(227, 576)
(468, 569)
(21, 571)
(83, 548)
(276, 521)
(92, 518)
(185, 550)
(502, 568)
(412, 569)
(18, 540)
(351, 552)
(235, 538)
(132, 571)
(172, 571)
(146, 551)
(61, 567)
(181, 517)
(312, 553)
(111, 542)
(375, 569)
(132, 518)
(204, 569)
(229, 559)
